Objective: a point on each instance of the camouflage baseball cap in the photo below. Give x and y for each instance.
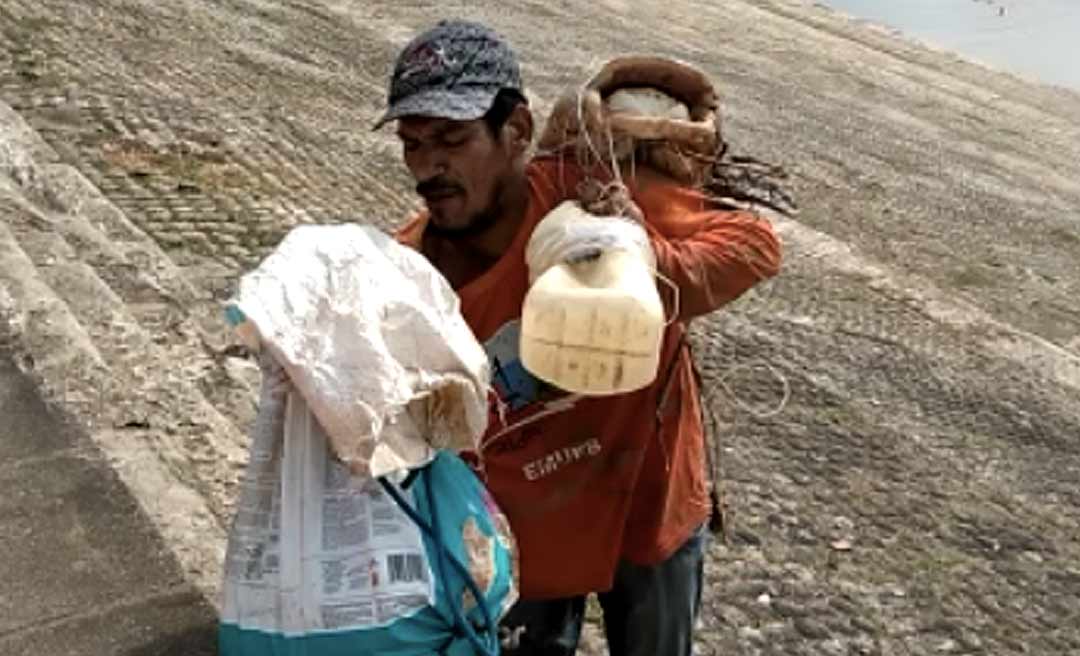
(454, 71)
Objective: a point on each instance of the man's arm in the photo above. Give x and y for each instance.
(712, 256)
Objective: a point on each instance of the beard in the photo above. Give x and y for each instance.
(478, 223)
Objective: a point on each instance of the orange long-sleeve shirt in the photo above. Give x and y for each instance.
(586, 482)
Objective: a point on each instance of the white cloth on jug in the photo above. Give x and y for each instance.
(569, 233)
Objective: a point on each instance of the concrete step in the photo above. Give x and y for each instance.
(85, 571)
(81, 294)
(178, 316)
(51, 342)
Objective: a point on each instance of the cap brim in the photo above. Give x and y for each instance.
(461, 104)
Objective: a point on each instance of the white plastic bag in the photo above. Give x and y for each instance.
(372, 337)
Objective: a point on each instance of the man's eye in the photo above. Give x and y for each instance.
(454, 140)
(410, 145)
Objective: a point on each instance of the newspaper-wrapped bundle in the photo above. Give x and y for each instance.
(372, 337)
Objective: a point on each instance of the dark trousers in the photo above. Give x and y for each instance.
(649, 611)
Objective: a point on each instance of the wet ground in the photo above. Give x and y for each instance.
(1032, 38)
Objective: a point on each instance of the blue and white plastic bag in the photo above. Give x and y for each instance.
(357, 529)
(321, 565)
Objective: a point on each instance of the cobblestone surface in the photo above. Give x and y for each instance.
(914, 490)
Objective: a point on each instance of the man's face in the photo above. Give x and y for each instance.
(459, 167)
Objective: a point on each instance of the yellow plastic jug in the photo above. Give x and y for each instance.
(593, 325)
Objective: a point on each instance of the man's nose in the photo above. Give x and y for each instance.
(429, 162)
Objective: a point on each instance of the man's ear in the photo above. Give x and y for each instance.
(519, 129)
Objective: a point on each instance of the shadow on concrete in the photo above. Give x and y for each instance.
(197, 641)
(83, 570)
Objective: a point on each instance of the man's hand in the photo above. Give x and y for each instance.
(609, 199)
(269, 426)
(275, 381)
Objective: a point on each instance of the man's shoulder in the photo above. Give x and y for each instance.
(554, 176)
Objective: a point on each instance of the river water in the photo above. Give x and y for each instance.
(1036, 39)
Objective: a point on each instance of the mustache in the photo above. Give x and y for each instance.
(438, 185)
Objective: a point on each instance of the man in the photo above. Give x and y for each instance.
(605, 494)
